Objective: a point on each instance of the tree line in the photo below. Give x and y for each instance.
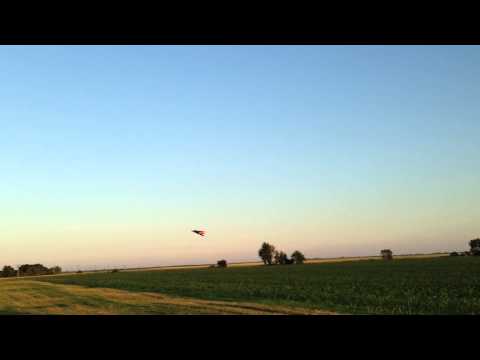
(29, 270)
(474, 249)
(270, 255)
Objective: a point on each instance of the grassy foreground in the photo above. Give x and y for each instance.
(27, 297)
(444, 285)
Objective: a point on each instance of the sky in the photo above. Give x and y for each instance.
(111, 155)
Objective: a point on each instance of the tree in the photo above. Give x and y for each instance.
(266, 253)
(475, 246)
(8, 271)
(280, 258)
(298, 257)
(276, 257)
(30, 270)
(222, 263)
(55, 270)
(38, 269)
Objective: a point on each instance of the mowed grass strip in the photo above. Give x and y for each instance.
(444, 285)
(27, 297)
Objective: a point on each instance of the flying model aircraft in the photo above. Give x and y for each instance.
(199, 232)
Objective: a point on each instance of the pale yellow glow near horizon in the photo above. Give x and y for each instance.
(331, 235)
(347, 225)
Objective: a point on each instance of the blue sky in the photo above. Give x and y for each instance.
(113, 153)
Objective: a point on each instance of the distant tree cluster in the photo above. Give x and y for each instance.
(462, 253)
(474, 249)
(29, 270)
(386, 254)
(8, 271)
(222, 263)
(475, 246)
(270, 255)
(55, 270)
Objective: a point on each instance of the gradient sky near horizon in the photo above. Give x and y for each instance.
(111, 155)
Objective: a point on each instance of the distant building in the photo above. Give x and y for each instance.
(387, 254)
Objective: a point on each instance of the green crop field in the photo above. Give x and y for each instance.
(446, 285)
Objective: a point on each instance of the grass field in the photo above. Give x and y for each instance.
(443, 285)
(27, 297)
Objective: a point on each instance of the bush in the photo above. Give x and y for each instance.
(454, 253)
(115, 271)
(222, 263)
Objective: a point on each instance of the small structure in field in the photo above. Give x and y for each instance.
(222, 263)
(387, 254)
